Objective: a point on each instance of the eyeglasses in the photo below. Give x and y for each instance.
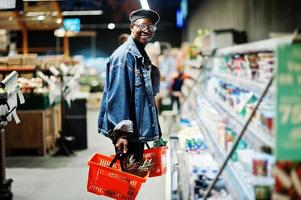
(144, 27)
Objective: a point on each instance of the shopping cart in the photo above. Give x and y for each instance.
(158, 157)
(107, 178)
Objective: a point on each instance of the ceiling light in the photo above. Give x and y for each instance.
(111, 26)
(144, 4)
(58, 21)
(54, 13)
(41, 17)
(3, 31)
(82, 12)
(34, 14)
(40, 0)
(60, 32)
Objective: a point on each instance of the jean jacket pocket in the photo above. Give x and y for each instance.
(138, 78)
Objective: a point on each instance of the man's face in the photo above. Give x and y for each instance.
(143, 30)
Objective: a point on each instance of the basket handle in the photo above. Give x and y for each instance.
(119, 156)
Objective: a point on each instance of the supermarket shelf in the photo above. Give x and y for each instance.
(255, 135)
(235, 182)
(265, 45)
(26, 68)
(251, 85)
(238, 183)
(195, 63)
(257, 180)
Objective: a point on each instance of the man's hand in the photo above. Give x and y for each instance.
(122, 144)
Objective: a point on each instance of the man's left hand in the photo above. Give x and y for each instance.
(122, 143)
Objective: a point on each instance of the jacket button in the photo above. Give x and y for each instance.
(150, 105)
(153, 125)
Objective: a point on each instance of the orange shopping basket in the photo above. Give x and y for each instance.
(158, 156)
(106, 178)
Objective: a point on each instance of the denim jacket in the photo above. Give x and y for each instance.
(129, 95)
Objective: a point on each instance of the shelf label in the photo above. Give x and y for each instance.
(288, 120)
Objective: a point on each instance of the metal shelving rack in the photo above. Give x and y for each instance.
(10, 94)
(251, 85)
(236, 181)
(256, 136)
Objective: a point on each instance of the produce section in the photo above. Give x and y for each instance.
(41, 114)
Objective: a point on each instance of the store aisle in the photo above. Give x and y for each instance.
(64, 178)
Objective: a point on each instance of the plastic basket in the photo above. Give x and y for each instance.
(158, 156)
(111, 181)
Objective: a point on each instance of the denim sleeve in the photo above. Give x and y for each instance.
(155, 76)
(120, 92)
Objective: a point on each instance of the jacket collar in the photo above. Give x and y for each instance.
(133, 48)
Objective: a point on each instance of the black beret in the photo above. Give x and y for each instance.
(142, 13)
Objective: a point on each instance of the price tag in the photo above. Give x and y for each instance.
(17, 119)
(288, 120)
(21, 97)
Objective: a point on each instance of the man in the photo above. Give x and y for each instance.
(177, 82)
(128, 114)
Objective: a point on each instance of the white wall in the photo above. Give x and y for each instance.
(258, 17)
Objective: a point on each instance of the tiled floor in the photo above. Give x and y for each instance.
(65, 178)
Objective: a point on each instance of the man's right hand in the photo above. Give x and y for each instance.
(122, 143)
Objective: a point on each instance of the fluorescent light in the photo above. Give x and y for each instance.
(60, 32)
(82, 12)
(8, 4)
(34, 14)
(54, 13)
(144, 4)
(180, 19)
(3, 31)
(58, 21)
(111, 26)
(40, 0)
(41, 17)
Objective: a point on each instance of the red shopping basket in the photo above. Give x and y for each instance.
(158, 156)
(111, 181)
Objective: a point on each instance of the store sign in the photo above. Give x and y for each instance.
(72, 25)
(288, 121)
(180, 19)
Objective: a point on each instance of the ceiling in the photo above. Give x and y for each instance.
(33, 16)
(7, 21)
(46, 15)
(118, 10)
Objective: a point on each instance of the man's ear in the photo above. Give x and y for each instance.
(131, 26)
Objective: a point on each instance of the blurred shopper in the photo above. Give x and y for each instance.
(128, 113)
(122, 38)
(176, 86)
